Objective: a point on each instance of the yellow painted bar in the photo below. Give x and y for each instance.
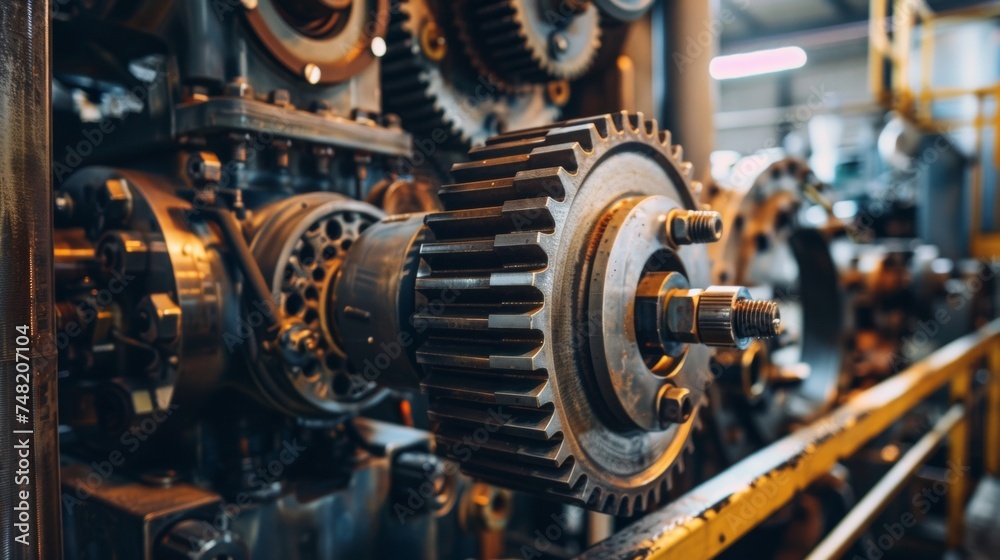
(707, 520)
(992, 450)
(958, 455)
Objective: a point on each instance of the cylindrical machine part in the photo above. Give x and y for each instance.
(375, 297)
(26, 205)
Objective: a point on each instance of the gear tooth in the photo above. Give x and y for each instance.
(687, 168)
(497, 37)
(665, 137)
(624, 506)
(492, 346)
(548, 454)
(677, 152)
(637, 121)
(479, 387)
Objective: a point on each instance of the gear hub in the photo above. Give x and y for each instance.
(533, 297)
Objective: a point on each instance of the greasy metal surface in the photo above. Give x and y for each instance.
(26, 273)
(708, 519)
(249, 115)
(129, 515)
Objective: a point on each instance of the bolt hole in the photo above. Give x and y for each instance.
(330, 252)
(334, 230)
(307, 255)
(294, 304)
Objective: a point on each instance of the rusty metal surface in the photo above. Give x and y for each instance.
(26, 275)
(711, 517)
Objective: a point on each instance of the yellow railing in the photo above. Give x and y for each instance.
(894, 50)
(710, 518)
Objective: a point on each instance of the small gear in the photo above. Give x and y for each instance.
(532, 41)
(517, 263)
(432, 85)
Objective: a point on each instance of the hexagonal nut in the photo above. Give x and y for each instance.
(122, 252)
(113, 202)
(158, 318)
(675, 405)
(204, 168)
(681, 316)
(280, 97)
(238, 88)
(680, 229)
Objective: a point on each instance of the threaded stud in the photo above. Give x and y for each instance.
(687, 227)
(756, 318)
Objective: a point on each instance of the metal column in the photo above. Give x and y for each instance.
(27, 327)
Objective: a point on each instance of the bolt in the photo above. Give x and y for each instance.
(312, 73)
(239, 87)
(720, 316)
(281, 98)
(204, 168)
(687, 227)
(559, 43)
(756, 318)
(113, 201)
(63, 207)
(674, 406)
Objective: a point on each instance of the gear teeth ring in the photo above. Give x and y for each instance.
(490, 268)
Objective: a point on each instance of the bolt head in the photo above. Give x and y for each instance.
(162, 317)
(559, 43)
(281, 98)
(675, 405)
(204, 168)
(681, 316)
(113, 201)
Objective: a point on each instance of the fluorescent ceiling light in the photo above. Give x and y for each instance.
(757, 63)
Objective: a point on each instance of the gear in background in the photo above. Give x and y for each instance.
(506, 280)
(532, 41)
(429, 81)
(775, 385)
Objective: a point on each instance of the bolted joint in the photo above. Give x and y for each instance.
(688, 227)
(429, 476)
(719, 316)
(298, 344)
(158, 319)
(123, 252)
(675, 406)
(727, 317)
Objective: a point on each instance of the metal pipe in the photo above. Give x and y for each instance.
(255, 287)
(30, 426)
(852, 527)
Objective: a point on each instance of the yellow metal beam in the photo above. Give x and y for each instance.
(707, 520)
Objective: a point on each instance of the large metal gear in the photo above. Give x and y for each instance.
(774, 386)
(532, 41)
(430, 82)
(324, 41)
(532, 286)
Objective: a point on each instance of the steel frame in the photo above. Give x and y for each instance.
(710, 518)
